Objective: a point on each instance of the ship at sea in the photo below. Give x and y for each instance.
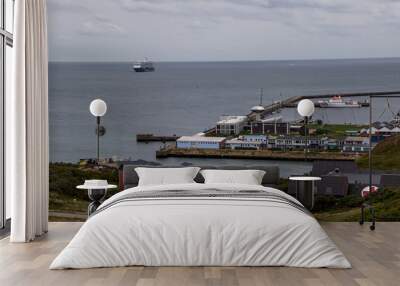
(145, 66)
(338, 102)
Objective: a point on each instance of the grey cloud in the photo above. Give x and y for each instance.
(91, 24)
(262, 10)
(169, 6)
(207, 27)
(99, 26)
(291, 4)
(66, 6)
(303, 16)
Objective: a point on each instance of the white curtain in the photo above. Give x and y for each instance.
(27, 123)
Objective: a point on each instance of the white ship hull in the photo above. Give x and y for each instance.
(338, 102)
(143, 67)
(338, 105)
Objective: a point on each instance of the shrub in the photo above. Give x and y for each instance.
(64, 177)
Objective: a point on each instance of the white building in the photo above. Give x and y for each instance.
(382, 130)
(238, 143)
(200, 142)
(296, 142)
(356, 144)
(255, 138)
(247, 142)
(231, 125)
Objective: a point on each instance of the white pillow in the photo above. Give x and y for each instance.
(247, 177)
(166, 176)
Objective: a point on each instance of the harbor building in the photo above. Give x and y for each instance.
(231, 125)
(258, 110)
(249, 142)
(334, 144)
(296, 142)
(237, 144)
(200, 142)
(381, 130)
(261, 127)
(255, 138)
(356, 144)
(281, 142)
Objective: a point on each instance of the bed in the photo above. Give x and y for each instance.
(197, 224)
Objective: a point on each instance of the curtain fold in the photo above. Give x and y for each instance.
(28, 156)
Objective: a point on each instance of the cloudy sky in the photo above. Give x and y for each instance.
(209, 30)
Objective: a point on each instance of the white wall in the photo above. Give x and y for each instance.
(197, 145)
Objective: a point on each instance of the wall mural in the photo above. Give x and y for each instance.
(219, 87)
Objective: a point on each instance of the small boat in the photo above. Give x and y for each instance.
(338, 102)
(144, 66)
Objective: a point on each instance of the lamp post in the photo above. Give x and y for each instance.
(98, 108)
(306, 109)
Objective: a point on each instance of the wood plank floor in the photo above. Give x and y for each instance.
(375, 257)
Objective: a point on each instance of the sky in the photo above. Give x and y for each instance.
(222, 30)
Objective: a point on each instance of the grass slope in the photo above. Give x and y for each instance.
(64, 197)
(64, 177)
(386, 203)
(335, 130)
(385, 155)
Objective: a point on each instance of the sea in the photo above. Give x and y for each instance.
(185, 98)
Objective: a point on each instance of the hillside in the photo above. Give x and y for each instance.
(65, 198)
(385, 156)
(386, 203)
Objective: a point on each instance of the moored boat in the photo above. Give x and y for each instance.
(338, 102)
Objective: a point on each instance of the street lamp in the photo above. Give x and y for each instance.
(306, 109)
(98, 108)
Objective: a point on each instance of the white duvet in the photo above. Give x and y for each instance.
(202, 232)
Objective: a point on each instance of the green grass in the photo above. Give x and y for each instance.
(65, 219)
(339, 215)
(65, 198)
(63, 195)
(335, 130)
(66, 203)
(386, 203)
(327, 208)
(385, 155)
(330, 130)
(63, 178)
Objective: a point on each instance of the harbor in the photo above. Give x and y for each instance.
(264, 134)
(292, 101)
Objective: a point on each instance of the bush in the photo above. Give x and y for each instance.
(386, 203)
(64, 177)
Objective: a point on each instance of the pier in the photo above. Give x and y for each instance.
(318, 105)
(253, 154)
(154, 138)
(292, 101)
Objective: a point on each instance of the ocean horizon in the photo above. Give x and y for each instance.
(234, 61)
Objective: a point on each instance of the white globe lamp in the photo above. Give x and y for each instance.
(306, 108)
(98, 108)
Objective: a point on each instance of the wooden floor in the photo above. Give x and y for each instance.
(375, 257)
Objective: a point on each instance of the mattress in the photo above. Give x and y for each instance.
(201, 225)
